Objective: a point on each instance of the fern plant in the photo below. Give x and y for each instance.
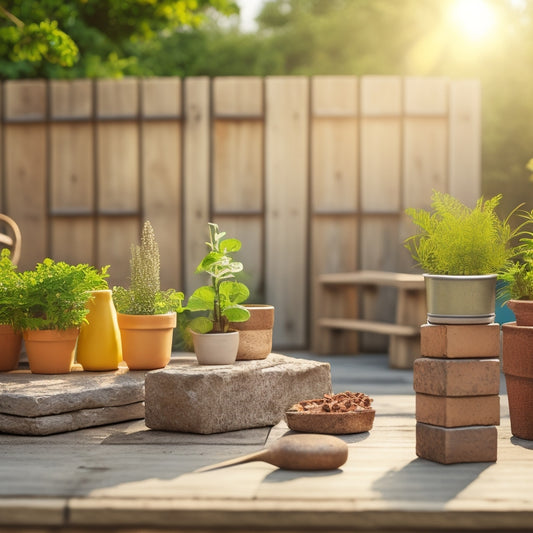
(222, 298)
(54, 295)
(144, 295)
(454, 239)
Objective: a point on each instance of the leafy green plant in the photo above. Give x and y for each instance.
(454, 239)
(223, 296)
(54, 295)
(144, 295)
(9, 287)
(518, 276)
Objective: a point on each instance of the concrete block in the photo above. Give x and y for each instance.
(472, 444)
(458, 411)
(456, 377)
(460, 341)
(201, 399)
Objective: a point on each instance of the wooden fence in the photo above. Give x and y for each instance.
(312, 174)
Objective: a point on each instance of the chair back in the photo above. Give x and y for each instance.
(10, 237)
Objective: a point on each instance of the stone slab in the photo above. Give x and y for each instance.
(31, 395)
(60, 423)
(458, 411)
(460, 341)
(456, 377)
(215, 399)
(472, 444)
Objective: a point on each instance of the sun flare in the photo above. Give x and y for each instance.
(475, 18)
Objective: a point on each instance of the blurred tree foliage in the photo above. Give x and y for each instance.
(307, 37)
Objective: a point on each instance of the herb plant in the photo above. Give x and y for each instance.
(144, 295)
(223, 296)
(454, 239)
(54, 295)
(9, 286)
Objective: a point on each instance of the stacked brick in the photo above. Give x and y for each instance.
(457, 384)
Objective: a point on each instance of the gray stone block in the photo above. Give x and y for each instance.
(84, 418)
(214, 399)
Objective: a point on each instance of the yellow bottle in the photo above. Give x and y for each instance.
(99, 343)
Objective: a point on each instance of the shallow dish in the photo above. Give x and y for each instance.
(331, 423)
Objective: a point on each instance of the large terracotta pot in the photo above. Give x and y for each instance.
(51, 351)
(216, 348)
(518, 369)
(10, 344)
(146, 340)
(99, 343)
(255, 335)
(523, 311)
(461, 299)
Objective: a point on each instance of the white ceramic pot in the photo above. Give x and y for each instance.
(216, 348)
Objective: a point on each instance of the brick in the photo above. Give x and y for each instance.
(456, 377)
(458, 411)
(460, 341)
(216, 399)
(472, 444)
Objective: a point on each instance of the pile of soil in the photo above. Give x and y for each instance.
(343, 402)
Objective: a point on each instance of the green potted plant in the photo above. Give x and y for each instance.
(146, 314)
(461, 250)
(10, 340)
(50, 308)
(220, 301)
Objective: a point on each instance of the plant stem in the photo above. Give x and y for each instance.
(11, 17)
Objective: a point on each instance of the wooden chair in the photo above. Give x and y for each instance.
(10, 237)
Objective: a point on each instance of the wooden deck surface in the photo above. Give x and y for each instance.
(126, 476)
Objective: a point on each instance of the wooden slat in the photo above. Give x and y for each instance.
(381, 96)
(238, 96)
(161, 97)
(117, 98)
(196, 211)
(425, 96)
(73, 240)
(374, 277)
(238, 166)
(369, 326)
(71, 99)
(286, 215)
(335, 96)
(465, 140)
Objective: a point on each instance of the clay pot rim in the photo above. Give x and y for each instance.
(160, 321)
(45, 334)
(211, 333)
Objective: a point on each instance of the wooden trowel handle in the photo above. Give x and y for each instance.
(261, 455)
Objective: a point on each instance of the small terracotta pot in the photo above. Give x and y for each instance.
(255, 339)
(10, 344)
(146, 340)
(518, 369)
(51, 351)
(523, 311)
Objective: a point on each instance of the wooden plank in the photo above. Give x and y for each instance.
(161, 97)
(286, 187)
(335, 96)
(71, 99)
(117, 98)
(238, 96)
(425, 160)
(381, 165)
(370, 326)
(73, 240)
(465, 140)
(425, 96)
(334, 248)
(196, 184)
(238, 166)
(249, 230)
(25, 169)
(381, 96)
(374, 277)
(162, 194)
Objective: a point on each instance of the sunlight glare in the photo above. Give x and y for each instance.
(474, 17)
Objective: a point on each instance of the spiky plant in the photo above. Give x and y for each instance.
(144, 296)
(454, 239)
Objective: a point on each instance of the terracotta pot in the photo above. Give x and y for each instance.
(216, 348)
(10, 343)
(523, 311)
(255, 338)
(51, 351)
(99, 344)
(146, 340)
(461, 299)
(518, 369)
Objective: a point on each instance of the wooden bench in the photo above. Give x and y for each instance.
(404, 345)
